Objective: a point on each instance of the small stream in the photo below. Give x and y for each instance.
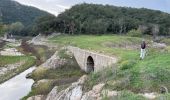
(17, 87)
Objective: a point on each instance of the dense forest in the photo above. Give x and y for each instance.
(11, 12)
(83, 19)
(105, 19)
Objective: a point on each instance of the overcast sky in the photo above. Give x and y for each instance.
(57, 6)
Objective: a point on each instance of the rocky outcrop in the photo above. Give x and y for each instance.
(94, 94)
(42, 40)
(54, 62)
(73, 92)
(53, 94)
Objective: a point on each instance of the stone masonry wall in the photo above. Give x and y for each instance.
(100, 61)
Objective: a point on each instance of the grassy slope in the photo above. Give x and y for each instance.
(61, 76)
(4, 60)
(133, 74)
(96, 43)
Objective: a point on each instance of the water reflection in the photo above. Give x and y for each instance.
(17, 87)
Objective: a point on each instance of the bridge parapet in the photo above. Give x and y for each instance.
(91, 61)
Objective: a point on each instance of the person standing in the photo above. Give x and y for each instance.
(143, 51)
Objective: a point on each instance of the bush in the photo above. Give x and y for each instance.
(134, 33)
(39, 73)
(127, 64)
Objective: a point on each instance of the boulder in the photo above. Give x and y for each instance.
(38, 97)
(54, 62)
(73, 92)
(94, 94)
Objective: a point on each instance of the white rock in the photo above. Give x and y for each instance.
(82, 79)
(52, 94)
(109, 93)
(98, 88)
(76, 93)
(38, 97)
(149, 95)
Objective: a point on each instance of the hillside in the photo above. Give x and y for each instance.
(104, 19)
(129, 79)
(12, 11)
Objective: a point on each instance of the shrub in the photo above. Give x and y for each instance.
(134, 33)
(38, 73)
(127, 64)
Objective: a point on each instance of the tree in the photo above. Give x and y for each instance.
(135, 33)
(3, 29)
(16, 28)
(102, 19)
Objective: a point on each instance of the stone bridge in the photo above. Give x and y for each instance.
(90, 61)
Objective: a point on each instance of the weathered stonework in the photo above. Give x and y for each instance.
(100, 61)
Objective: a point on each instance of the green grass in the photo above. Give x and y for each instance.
(29, 61)
(61, 76)
(165, 40)
(131, 74)
(131, 96)
(164, 97)
(4, 60)
(42, 89)
(97, 43)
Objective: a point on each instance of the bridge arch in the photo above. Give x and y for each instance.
(90, 64)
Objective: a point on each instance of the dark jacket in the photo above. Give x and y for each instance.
(143, 45)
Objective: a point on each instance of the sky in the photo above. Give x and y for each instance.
(57, 6)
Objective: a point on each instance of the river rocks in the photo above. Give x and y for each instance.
(38, 97)
(28, 75)
(6, 68)
(11, 52)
